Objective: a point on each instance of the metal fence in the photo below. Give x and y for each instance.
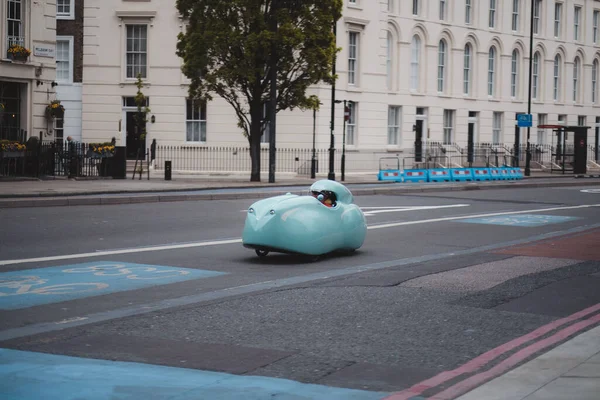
(237, 159)
(12, 133)
(72, 159)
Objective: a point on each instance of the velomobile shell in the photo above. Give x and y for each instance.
(302, 224)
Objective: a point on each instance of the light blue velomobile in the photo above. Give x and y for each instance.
(306, 224)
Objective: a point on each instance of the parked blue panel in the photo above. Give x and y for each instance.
(461, 174)
(439, 175)
(496, 174)
(33, 376)
(481, 174)
(393, 175)
(33, 287)
(415, 175)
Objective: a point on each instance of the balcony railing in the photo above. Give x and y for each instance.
(12, 40)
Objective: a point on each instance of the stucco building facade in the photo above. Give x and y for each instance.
(411, 72)
(27, 85)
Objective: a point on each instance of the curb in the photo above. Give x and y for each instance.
(155, 196)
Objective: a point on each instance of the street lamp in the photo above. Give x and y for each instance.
(528, 151)
(346, 118)
(331, 175)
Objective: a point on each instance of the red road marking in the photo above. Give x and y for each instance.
(483, 359)
(476, 380)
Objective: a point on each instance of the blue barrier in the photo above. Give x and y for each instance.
(461, 174)
(496, 174)
(482, 174)
(439, 175)
(390, 175)
(505, 173)
(416, 175)
(516, 173)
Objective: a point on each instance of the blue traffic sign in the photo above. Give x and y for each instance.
(524, 120)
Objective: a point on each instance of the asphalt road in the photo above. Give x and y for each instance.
(432, 288)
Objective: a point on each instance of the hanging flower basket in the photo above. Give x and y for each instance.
(55, 110)
(18, 53)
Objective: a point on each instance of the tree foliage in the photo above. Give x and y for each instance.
(229, 46)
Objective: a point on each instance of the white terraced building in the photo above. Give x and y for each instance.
(412, 71)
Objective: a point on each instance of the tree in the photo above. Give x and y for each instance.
(141, 116)
(228, 46)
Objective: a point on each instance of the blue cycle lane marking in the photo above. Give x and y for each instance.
(523, 220)
(32, 376)
(32, 287)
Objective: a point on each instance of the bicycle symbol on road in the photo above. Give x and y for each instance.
(123, 269)
(21, 285)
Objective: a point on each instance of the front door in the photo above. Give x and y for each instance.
(134, 140)
(419, 140)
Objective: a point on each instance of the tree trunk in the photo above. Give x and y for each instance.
(255, 134)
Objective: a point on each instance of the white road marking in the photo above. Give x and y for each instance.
(415, 208)
(231, 241)
(590, 191)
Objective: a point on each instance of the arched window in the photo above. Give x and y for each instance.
(491, 71)
(441, 66)
(467, 70)
(556, 80)
(595, 81)
(514, 73)
(415, 58)
(576, 75)
(535, 75)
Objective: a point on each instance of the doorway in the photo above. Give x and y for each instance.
(419, 128)
(134, 140)
(471, 133)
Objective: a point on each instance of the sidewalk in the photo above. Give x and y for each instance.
(63, 192)
(569, 371)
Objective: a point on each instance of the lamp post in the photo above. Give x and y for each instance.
(331, 175)
(313, 161)
(273, 97)
(346, 117)
(528, 151)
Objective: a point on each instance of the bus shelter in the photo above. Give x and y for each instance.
(569, 148)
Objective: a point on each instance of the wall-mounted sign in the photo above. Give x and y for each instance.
(41, 50)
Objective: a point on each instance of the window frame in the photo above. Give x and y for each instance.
(394, 125)
(577, 34)
(146, 52)
(416, 7)
(557, 69)
(497, 128)
(353, 60)
(492, 14)
(576, 79)
(535, 76)
(70, 40)
(468, 12)
(351, 130)
(467, 69)
(202, 122)
(68, 16)
(448, 126)
(492, 63)
(595, 66)
(514, 74)
(442, 66)
(516, 7)
(390, 60)
(415, 63)
(443, 10)
(595, 22)
(558, 11)
(537, 11)
(541, 133)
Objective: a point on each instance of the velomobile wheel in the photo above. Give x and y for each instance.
(261, 253)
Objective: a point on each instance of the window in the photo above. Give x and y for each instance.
(556, 81)
(137, 55)
(442, 10)
(415, 55)
(448, 126)
(468, 12)
(390, 6)
(514, 71)
(492, 21)
(515, 15)
(59, 129)
(595, 26)
(394, 114)
(65, 9)
(441, 65)
(576, 74)
(416, 7)
(557, 19)
(536, 16)
(266, 130)
(497, 127)
(352, 57)
(581, 120)
(562, 119)
(64, 59)
(195, 121)
(14, 23)
(535, 76)
(353, 2)
(390, 52)
(541, 133)
(595, 81)
(467, 70)
(577, 23)
(491, 71)
(351, 124)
